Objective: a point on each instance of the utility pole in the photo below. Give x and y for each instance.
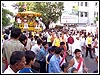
(78, 13)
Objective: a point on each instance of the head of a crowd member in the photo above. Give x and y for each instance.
(62, 35)
(45, 45)
(10, 28)
(44, 38)
(30, 57)
(62, 44)
(74, 70)
(62, 51)
(30, 32)
(49, 32)
(7, 31)
(39, 41)
(53, 33)
(36, 66)
(64, 67)
(15, 33)
(77, 53)
(23, 39)
(5, 37)
(31, 37)
(70, 34)
(17, 61)
(89, 34)
(82, 36)
(52, 50)
(77, 37)
(58, 50)
(24, 32)
(49, 50)
(35, 37)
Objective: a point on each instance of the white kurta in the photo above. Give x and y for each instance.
(76, 45)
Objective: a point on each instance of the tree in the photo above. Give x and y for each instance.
(51, 11)
(21, 6)
(96, 19)
(5, 19)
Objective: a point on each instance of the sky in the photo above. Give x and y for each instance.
(8, 5)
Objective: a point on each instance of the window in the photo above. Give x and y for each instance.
(94, 13)
(97, 13)
(85, 14)
(81, 14)
(85, 3)
(96, 4)
(78, 3)
(81, 3)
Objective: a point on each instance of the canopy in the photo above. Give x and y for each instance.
(30, 13)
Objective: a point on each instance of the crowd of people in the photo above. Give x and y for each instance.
(47, 51)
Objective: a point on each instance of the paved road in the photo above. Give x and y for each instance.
(90, 63)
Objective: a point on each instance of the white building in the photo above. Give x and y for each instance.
(67, 16)
(96, 12)
(85, 11)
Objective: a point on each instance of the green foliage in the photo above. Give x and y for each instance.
(94, 21)
(96, 18)
(5, 19)
(21, 6)
(51, 11)
(15, 24)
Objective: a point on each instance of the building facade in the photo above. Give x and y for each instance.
(96, 13)
(85, 11)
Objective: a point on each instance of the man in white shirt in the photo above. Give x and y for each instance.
(36, 47)
(17, 62)
(29, 44)
(9, 70)
(78, 62)
(76, 45)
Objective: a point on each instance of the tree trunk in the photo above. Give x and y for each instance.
(47, 24)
